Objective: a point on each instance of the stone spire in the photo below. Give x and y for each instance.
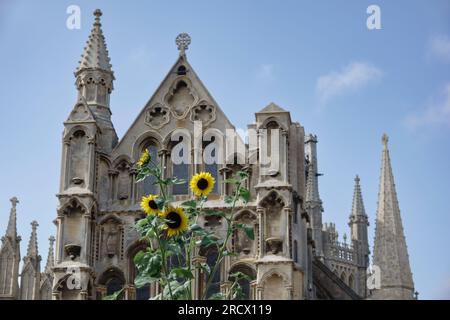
(312, 183)
(51, 256)
(95, 54)
(11, 230)
(32, 251)
(358, 205)
(94, 82)
(390, 251)
(313, 203)
(10, 253)
(30, 277)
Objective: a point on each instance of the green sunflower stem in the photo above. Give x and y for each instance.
(224, 245)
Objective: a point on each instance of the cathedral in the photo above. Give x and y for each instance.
(294, 254)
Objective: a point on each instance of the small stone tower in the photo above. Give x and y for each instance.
(358, 223)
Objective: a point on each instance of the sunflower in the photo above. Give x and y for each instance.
(149, 205)
(202, 184)
(177, 221)
(144, 159)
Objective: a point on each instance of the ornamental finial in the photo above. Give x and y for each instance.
(385, 140)
(97, 13)
(183, 41)
(14, 201)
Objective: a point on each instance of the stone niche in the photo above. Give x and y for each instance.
(79, 150)
(111, 238)
(103, 183)
(123, 181)
(73, 226)
(242, 244)
(180, 98)
(274, 232)
(273, 288)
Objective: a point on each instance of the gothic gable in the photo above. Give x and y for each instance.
(180, 100)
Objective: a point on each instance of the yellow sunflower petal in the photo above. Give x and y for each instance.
(178, 221)
(202, 184)
(149, 205)
(144, 159)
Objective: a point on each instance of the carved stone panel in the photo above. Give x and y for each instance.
(180, 99)
(111, 238)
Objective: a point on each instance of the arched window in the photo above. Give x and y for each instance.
(214, 170)
(351, 281)
(147, 186)
(142, 293)
(343, 277)
(180, 166)
(244, 283)
(211, 165)
(114, 281)
(211, 255)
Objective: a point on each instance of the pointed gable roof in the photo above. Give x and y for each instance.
(172, 78)
(95, 54)
(273, 108)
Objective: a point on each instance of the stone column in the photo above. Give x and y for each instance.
(197, 281)
(287, 216)
(261, 239)
(253, 290)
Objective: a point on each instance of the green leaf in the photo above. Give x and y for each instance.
(142, 279)
(195, 227)
(189, 204)
(114, 296)
(231, 181)
(182, 273)
(249, 231)
(242, 174)
(217, 296)
(229, 199)
(244, 194)
(205, 267)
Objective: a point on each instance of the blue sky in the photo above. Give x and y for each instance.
(341, 81)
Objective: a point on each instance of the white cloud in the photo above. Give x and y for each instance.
(439, 47)
(352, 77)
(436, 112)
(265, 72)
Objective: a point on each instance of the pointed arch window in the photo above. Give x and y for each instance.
(179, 160)
(147, 186)
(211, 161)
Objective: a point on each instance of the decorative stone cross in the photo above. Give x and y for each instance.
(14, 201)
(34, 224)
(52, 240)
(183, 41)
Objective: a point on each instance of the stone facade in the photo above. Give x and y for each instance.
(294, 255)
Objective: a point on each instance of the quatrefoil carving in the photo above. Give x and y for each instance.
(157, 116)
(204, 112)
